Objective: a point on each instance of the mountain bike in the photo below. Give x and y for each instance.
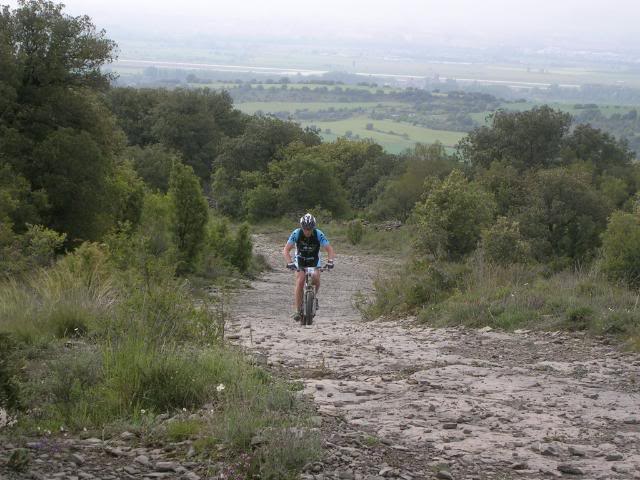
(309, 301)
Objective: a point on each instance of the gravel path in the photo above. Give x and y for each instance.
(400, 400)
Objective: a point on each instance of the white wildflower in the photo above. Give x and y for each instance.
(220, 387)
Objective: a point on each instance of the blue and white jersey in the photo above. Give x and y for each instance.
(308, 248)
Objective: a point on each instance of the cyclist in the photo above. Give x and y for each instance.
(308, 240)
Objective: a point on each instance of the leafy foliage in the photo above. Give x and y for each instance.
(452, 215)
(399, 193)
(503, 244)
(529, 139)
(621, 248)
(355, 231)
(191, 213)
(55, 132)
(564, 216)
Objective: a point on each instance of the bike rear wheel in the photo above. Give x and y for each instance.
(308, 307)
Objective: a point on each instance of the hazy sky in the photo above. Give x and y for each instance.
(587, 22)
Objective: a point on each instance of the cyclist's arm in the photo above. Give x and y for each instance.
(330, 253)
(286, 252)
(324, 243)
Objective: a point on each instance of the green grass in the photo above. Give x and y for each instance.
(181, 430)
(478, 294)
(140, 347)
(375, 239)
(393, 143)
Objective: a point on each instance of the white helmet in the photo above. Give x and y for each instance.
(308, 221)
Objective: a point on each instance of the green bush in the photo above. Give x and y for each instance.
(579, 318)
(20, 253)
(242, 249)
(422, 284)
(451, 217)
(621, 248)
(261, 203)
(190, 212)
(9, 389)
(502, 243)
(564, 216)
(355, 231)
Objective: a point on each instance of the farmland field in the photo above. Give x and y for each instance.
(253, 107)
(296, 86)
(298, 57)
(392, 142)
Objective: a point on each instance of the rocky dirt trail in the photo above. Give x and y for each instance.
(399, 400)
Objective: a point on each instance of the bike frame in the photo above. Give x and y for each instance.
(309, 295)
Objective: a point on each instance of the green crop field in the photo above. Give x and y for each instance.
(292, 107)
(393, 143)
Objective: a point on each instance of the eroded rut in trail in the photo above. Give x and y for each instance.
(402, 400)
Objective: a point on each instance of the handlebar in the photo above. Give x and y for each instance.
(302, 269)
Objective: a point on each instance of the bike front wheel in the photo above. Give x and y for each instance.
(308, 310)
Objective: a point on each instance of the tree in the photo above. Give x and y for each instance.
(134, 109)
(602, 150)
(304, 182)
(194, 123)
(400, 193)
(508, 185)
(153, 164)
(527, 140)
(54, 131)
(258, 144)
(190, 213)
(452, 216)
(19, 205)
(261, 202)
(358, 164)
(49, 48)
(564, 215)
(621, 248)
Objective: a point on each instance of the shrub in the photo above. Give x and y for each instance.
(565, 216)
(261, 203)
(191, 214)
(449, 220)
(355, 231)
(502, 243)
(579, 318)
(34, 248)
(242, 249)
(621, 248)
(9, 392)
(420, 285)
